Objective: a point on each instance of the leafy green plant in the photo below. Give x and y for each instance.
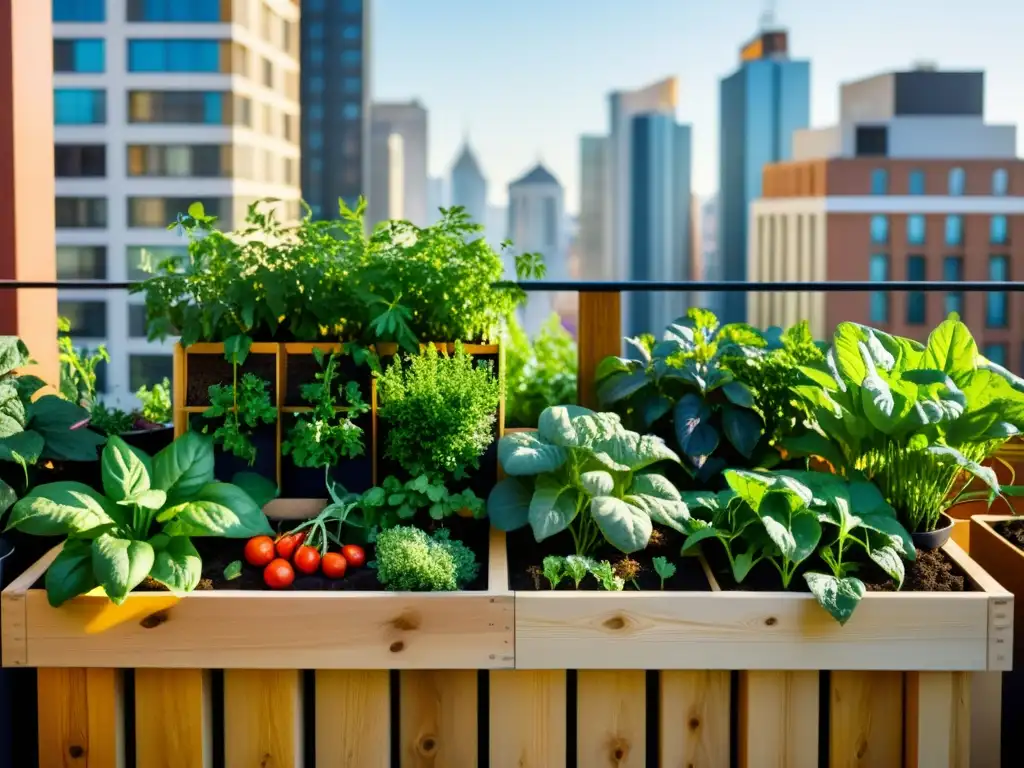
(585, 473)
(684, 387)
(242, 407)
(327, 434)
(576, 567)
(141, 525)
(554, 570)
(539, 373)
(393, 501)
(664, 569)
(77, 366)
(410, 560)
(110, 421)
(440, 411)
(156, 403)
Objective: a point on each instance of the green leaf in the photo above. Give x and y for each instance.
(70, 574)
(29, 445)
(890, 561)
(749, 486)
(53, 418)
(233, 570)
(656, 496)
(12, 410)
(126, 471)
(219, 509)
(184, 467)
(552, 508)
(523, 453)
(837, 596)
(8, 496)
(62, 508)
(814, 444)
(846, 352)
(743, 428)
(260, 489)
(151, 499)
(697, 438)
(626, 527)
(508, 504)
(620, 386)
(555, 425)
(120, 565)
(177, 565)
(13, 354)
(796, 537)
(236, 349)
(951, 455)
(597, 483)
(951, 349)
(739, 394)
(629, 451)
(698, 536)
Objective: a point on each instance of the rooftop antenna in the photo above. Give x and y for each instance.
(767, 20)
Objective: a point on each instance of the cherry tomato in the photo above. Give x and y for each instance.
(354, 555)
(288, 543)
(259, 551)
(333, 565)
(307, 559)
(278, 574)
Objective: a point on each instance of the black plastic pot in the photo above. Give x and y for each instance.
(149, 441)
(938, 537)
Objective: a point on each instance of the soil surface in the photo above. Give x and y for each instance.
(525, 556)
(206, 370)
(1012, 531)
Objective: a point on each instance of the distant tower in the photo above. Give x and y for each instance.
(398, 163)
(469, 187)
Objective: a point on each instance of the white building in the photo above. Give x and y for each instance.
(398, 163)
(152, 116)
(469, 186)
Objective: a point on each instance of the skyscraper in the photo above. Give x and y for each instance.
(762, 103)
(398, 135)
(335, 103)
(594, 255)
(469, 186)
(437, 197)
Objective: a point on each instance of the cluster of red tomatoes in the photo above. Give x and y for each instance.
(276, 558)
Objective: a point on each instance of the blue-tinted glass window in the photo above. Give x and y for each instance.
(316, 54)
(316, 140)
(316, 84)
(879, 299)
(173, 55)
(996, 313)
(957, 179)
(916, 269)
(916, 183)
(352, 85)
(79, 10)
(1000, 182)
(315, 112)
(879, 181)
(316, 31)
(213, 107)
(352, 6)
(316, 165)
(351, 57)
(954, 230)
(879, 229)
(915, 229)
(350, 111)
(998, 232)
(79, 106)
(351, 32)
(996, 353)
(85, 55)
(174, 10)
(953, 272)
(312, 5)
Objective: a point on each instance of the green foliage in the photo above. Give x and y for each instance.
(685, 387)
(394, 501)
(440, 411)
(583, 471)
(576, 568)
(409, 560)
(913, 418)
(538, 374)
(142, 523)
(554, 570)
(110, 421)
(243, 406)
(156, 403)
(664, 569)
(327, 434)
(77, 367)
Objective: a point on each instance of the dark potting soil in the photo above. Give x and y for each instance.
(302, 369)
(525, 558)
(206, 370)
(227, 465)
(355, 475)
(1012, 531)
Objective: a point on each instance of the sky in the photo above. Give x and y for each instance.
(525, 78)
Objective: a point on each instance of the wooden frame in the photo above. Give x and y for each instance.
(1004, 562)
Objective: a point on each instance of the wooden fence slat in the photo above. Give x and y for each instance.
(172, 718)
(611, 725)
(986, 719)
(778, 716)
(438, 719)
(528, 720)
(262, 718)
(695, 719)
(938, 720)
(80, 718)
(599, 335)
(353, 719)
(866, 720)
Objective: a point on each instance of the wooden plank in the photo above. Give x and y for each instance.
(938, 720)
(179, 384)
(778, 720)
(172, 718)
(528, 719)
(353, 719)
(695, 727)
(438, 719)
(263, 718)
(866, 720)
(611, 727)
(986, 719)
(497, 567)
(80, 718)
(599, 335)
(1002, 562)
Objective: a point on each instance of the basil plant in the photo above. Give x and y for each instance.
(141, 525)
(584, 472)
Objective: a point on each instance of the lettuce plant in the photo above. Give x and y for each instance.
(584, 472)
(141, 525)
(913, 418)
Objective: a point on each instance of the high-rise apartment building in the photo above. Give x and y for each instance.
(437, 198)
(335, 103)
(469, 185)
(158, 105)
(594, 255)
(398, 163)
(912, 184)
(763, 103)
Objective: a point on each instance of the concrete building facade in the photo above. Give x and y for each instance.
(398, 163)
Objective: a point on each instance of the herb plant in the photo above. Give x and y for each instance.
(156, 403)
(110, 421)
(394, 501)
(77, 367)
(539, 373)
(243, 406)
(585, 473)
(574, 567)
(664, 569)
(410, 560)
(554, 570)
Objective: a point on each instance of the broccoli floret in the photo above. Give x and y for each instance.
(410, 560)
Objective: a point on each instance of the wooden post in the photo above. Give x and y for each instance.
(778, 720)
(353, 718)
(598, 334)
(263, 718)
(172, 718)
(80, 718)
(438, 719)
(938, 720)
(611, 720)
(866, 719)
(527, 718)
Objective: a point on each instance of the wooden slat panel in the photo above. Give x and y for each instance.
(938, 720)
(438, 719)
(528, 720)
(80, 718)
(778, 720)
(262, 718)
(611, 725)
(986, 719)
(599, 335)
(353, 719)
(866, 720)
(172, 718)
(179, 386)
(695, 719)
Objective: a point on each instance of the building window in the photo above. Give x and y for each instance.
(78, 55)
(203, 160)
(879, 181)
(160, 211)
(143, 260)
(351, 58)
(316, 31)
(174, 55)
(996, 314)
(1000, 182)
(78, 160)
(954, 230)
(81, 262)
(316, 55)
(915, 299)
(316, 84)
(87, 318)
(996, 353)
(243, 111)
(879, 229)
(953, 272)
(915, 229)
(79, 106)
(137, 321)
(350, 111)
(315, 112)
(268, 73)
(915, 183)
(79, 10)
(871, 141)
(316, 140)
(351, 32)
(998, 231)
(352, 85)
(175, 10)
(147, 370)
(81, 212)
(956, 181)
(201, 107)
(352, 6)
(879, 299)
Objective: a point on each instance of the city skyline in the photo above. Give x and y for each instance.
(538, 108)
